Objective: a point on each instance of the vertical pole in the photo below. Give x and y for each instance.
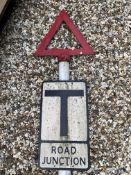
(64, 75)
(63, 70)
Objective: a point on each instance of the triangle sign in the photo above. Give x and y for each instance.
(42, 50)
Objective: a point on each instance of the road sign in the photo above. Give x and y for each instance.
(63, 54)
(64, 133)
(64, 141)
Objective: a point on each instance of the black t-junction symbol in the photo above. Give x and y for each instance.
(64, 94)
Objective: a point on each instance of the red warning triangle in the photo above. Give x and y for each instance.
(43, 50)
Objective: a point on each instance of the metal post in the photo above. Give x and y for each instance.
(63, 70)
(64, 172)
(64, 75)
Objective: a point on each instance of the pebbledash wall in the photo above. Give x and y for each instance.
(106, 26)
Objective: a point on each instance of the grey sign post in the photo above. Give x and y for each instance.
(64, 75)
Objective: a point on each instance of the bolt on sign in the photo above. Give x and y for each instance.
(64, 134)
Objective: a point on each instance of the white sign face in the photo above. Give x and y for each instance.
(64, 126)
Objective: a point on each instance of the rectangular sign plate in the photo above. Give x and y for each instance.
(64, 142)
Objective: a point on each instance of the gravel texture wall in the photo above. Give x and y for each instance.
(106, 26)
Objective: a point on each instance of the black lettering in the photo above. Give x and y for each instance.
(53, 149)
(60, 160)
(73, 150)
(64, 94)
(43, 162)
(66, 150)
(82, 161)
(71, 160)
(48, 160)
(76, 161)
(60, 149)
(67, 160)
(55, 160)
